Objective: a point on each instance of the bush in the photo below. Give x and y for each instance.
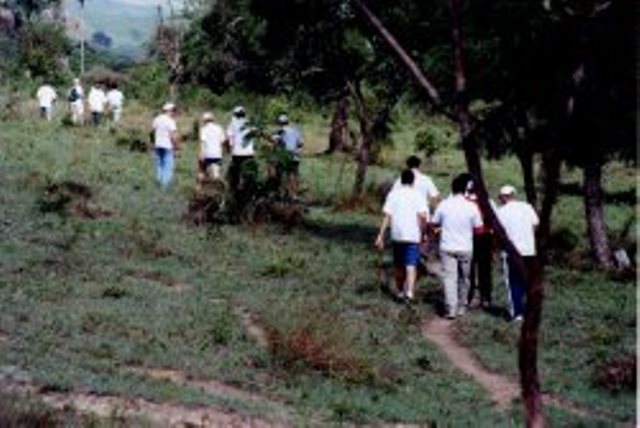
(42, 47)
(133, 139)
(149, 83)
(431, 140)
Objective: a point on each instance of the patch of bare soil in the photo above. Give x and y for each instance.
(160, 414)
(501, 389)
(253, 328)
(209, 386)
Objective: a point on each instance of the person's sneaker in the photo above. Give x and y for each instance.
(518, 318)
(409, 296)
(461, 311)
(450, 316)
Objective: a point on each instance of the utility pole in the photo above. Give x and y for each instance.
(82, 37)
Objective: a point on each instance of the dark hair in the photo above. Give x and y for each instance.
(459, 184)
(413, 162)
(470, 182)
(407, 177)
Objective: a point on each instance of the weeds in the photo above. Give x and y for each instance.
(618, 374)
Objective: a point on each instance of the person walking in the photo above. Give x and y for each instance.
(165, 136)
(519, 220)
(457, 217)
(423, 183)
(115, 102)
(240, 138)
(212, 137)
(290, 139)
(76, 102)
(481, 278)
(47, 96)
(407, 212)
(97, 101)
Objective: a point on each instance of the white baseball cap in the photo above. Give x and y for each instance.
(208, 116)
(168, 107)
(238, 110)
(283, 119)
(507, 190)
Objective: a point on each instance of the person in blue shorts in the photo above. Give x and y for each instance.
(406, 211)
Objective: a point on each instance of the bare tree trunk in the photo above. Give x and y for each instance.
(551, 166)
(594, 208)
(339, 125)
(529, 378)
(528, 344)
(525, 156)
(366, 140)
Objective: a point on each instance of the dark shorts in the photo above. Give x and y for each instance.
(206, 162)
(406, 254)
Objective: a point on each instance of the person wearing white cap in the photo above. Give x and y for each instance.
(240, 138)
(46, 97)
(519, 220)
(457, 218)
(76, 102)
(212, 137)
(289, 138)
(165, 136)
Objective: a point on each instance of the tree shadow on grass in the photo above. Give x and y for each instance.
(620, 197)
(346, 233)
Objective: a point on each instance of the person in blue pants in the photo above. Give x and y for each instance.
(519, 220)
(165, 139)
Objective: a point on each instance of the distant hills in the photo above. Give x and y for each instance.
(124, 27)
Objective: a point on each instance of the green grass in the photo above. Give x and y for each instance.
(82, 301)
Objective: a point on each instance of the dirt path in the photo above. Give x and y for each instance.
(502, 389)
(159, 414)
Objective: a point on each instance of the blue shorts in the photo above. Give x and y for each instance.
(406, 254)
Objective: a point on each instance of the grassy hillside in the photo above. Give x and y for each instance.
(102, 276)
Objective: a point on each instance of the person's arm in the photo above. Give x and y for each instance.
(383, 228)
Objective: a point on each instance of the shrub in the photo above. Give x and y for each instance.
(618, 374)
(133, 139)
(431, 140)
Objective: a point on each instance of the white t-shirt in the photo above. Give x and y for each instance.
(46, 96)
(97, 100)
(457, 217)
(163, 127)
(115, 99)
(237, 132)
(212, 136)
(404, 205)
(519, 220)
(423, 184)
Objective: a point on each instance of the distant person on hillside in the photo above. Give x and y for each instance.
(481, 264)
(115, 101)
(212, 138)
(46, 98)
(97, 102)
(165, 138)
(289, 138)
(457, 217)
(423, 183)
(406, 210)
(76, 102)
(240, 138)
(519, 220)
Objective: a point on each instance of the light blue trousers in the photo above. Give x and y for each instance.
(164, 166)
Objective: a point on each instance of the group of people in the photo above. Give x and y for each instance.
(458, 228)
(239, 137)
(99, 100)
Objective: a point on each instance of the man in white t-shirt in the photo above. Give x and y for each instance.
(407, 212)
(241, 141)
(519, 220)
(165, 138)
(115, 101)
(212, 137)
(76, 102)
(457, 218)
(423, 183)
(97, 101)
(46, 97)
